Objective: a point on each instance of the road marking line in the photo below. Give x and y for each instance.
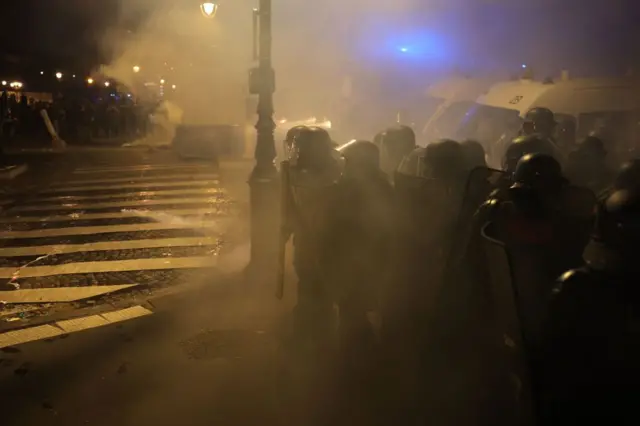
(205, 199)
(47, 331)
(63, 198)
(107, 245)
(141, 185)
(60, 294)
(18, 337)
(110, 266)
(91, 230)
(114, 215)
(143, 168)
(187, 177)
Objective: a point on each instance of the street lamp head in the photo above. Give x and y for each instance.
(209, 9)
(107, 84)
(136, 69)
(162, 81)
(58, 75)
(89, 80)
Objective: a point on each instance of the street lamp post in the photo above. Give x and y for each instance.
(264, 182)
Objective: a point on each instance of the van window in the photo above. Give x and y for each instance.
(487, 125)
(448, 123)
(611, 126)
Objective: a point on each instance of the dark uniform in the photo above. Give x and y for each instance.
(313, 172)
(587, 167)
(396, 142)
(358, 246)
(541, 121)
(474, 153)
(587, 364)
(428, 205)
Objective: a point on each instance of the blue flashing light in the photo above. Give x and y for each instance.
(404, 49)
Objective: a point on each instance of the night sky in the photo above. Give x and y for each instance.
(592, 33)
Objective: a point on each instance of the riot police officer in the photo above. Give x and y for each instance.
(358, 246)
(445, 159)
(474, 153)
(313, 172)
(588, 363)
(541, 121)
(628, 175)
(527, 144)
(396, 142)
(586, 166)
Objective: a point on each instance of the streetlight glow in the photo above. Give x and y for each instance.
(209, 9)
(107, 84)
(58, 75)
(89, 80)
(136, 69)
(162, 81)
(4, 82)
(41, 72)
(173, 87)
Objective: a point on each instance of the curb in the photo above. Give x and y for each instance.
(11, 172)
(141, 294)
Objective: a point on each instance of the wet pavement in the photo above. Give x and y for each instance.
(177, 336)
(122, 216)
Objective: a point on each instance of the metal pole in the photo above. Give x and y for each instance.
(264, 181)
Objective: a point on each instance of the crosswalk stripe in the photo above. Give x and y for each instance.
(115, 215)
(110, 266)
(140, 185)
(144, 168)
(63, 198)
(107, 245)
(135, 203)
(60, 294)
(47, 331)
(90, 230)
(188, 177)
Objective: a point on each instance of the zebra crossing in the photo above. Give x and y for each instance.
(116, 225)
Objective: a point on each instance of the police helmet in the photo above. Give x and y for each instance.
(526, 144)
(540, 116)
(474, 153)
(628, 176)
(444, 158)
(618, 220)
(311, 148)
(362, 154)
(292, 133)
(398, 141)
(538, 171)
(592, 146)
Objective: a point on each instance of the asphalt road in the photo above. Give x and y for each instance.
(191, 342)
(202, 350)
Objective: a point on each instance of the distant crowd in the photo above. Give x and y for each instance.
(77, 121)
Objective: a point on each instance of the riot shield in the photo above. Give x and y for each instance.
(480, 182)
(429, 210)
(285, 220)
(509, 327)
(311, 195)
